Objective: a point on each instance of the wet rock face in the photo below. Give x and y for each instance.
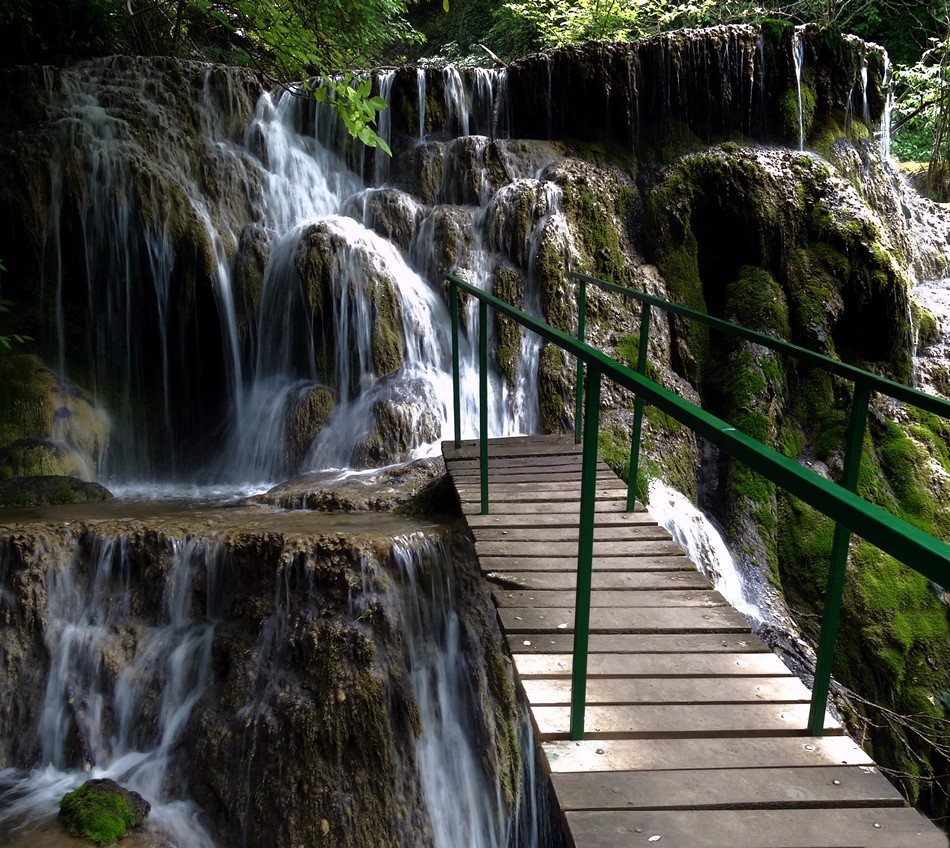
(123, 165)
(685, 87)
(304, 723)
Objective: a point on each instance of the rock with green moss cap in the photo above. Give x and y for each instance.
(47, 425)
(102, 811)
(50, 489)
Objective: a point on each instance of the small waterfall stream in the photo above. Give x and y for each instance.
(704, 545)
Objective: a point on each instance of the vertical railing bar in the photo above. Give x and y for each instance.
(456, 378)
(581, 337)
(633, 469)
(585, 552)
(831, 616)
(483, 401)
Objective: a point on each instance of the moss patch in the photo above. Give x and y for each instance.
(101, 811)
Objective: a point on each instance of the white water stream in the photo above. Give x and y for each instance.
(704, 545)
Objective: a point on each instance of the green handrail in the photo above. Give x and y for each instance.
(864, 383)
(903, 541)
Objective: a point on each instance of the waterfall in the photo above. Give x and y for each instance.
(130, 659)
(798, 57)
(449, 763)
(384, 128)
(885, 131)
(421, 87)
(704, 545)
(119, 694)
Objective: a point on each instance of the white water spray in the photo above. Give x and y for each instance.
(798, 57)
(703, 543)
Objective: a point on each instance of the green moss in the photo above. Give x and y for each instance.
(774, 30)
(553, 391)
(97, 814)
(509, 286)
(628, 352)
(607, 154)
(925, 324)
(596, 228)
(793, 121)
(386, 333)
(755, 300)
(26, 390)
(502, 689)
(613, 445)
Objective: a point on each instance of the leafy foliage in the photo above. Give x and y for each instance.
(923, 105)
(552, 23)
(287, 41)
(7, 340)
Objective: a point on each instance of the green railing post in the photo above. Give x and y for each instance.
(456, 379)
(634, 468)
(581, 337)
(483, 400)
(585, 552)
(854, 442)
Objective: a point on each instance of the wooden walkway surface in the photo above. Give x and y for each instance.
(695, 730)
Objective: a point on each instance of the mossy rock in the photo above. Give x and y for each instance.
(40, 458)
(102, 811)
(308, 417)
(35, 491)
(798, 112)
(51, 426)
(508, 284)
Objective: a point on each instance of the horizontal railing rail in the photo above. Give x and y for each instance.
(864, 383)
(898, 391)
(893, 535)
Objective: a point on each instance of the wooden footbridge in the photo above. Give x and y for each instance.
(662, 718)
(695, 732)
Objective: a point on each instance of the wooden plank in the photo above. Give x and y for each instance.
(695, 731)
(567, 460)
(545, 519)
(533, 493)
(501, 505)
(640, 620)
(508, 448)
(569, 549)
(520, 466)
(617, 580)
(669, 557)
(654, 665)
(655, 721)
(730, 753)
(610, 599)
(671, 690)
(604, 480)
(735, 789)
(867, 827)
(548, 480)
(619, 643)
(545, 535)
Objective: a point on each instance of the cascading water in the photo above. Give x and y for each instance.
(119, 692)
(798, 57)
(704, 545)
(450, 765)
(131, 670)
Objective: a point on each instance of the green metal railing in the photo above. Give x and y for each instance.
(852, 514)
